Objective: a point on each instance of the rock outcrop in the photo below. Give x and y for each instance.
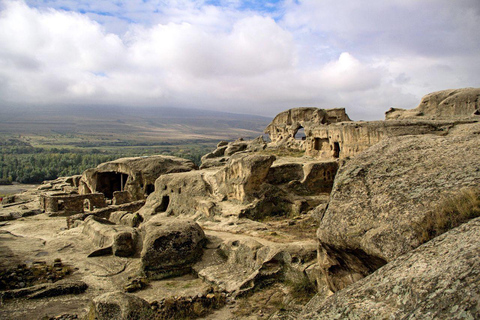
(135, 176)
(349, 208)
(380, 198)
(438, 280)
(225, 150)
(104, 234)
(329, 134)
(249, 185)
(285, 126)
(119, 306)
(180, 194)
(246, 262)
(170, 247)
(243, 177)
(446, 104)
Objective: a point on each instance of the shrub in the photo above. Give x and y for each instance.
(451, 211)
(301, 288)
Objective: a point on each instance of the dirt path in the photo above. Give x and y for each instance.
(15, 188)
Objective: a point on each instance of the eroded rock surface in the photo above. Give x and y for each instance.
(103, 233)
(119, 306)
(248, 185)
(170, 247)
(381, 196)
(135, 175)
(446, 104)
(225, 150)
(286, 124)
(438, 280)
(244, 176)
(243, 228)
(240, 263)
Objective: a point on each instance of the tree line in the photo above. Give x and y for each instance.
(24, 163)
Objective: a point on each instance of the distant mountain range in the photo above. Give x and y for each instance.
(134, 123)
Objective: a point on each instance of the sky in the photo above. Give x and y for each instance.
(241, 56)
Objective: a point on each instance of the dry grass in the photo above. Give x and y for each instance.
(451, 212)
(302, 289)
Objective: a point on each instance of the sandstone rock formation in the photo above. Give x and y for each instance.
(243, 177)
(438, 280)
(170, 247)
(119, 306)
(249, 185)
(381, 196)
(260, 223)
(245, 262)
(136, 176)
(225, 150)
(285, 126)
(180, 194)
(121, 239)
(329, 134)
(446, 104)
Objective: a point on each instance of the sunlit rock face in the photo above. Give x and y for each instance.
(330, 134)
(441, 105)
(438, 280)
(381, 197)
(132, 178)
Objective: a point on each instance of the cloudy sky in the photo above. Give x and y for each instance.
(243, 56)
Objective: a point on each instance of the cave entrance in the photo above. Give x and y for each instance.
(163, 205)
(61, 205)
(319, 143)
(300, 134)
(149, 189)
(109, 182)
(336, 149)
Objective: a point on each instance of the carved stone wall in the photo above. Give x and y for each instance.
(133, 175)
(286, 125)
(66, 204)
(329, 134)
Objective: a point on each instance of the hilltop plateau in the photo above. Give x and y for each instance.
(329, 219)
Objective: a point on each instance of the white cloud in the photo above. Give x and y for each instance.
(192, 54)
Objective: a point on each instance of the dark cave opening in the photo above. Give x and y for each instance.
(163, 204)
(336, 149)
(109, 182)
(150, 188)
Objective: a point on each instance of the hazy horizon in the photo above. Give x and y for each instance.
(244, 57)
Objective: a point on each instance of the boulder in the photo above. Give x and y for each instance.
(235, 147)
(438, 280)
(120, 306)
(381, 198)
(213, 162)
(170, 246)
